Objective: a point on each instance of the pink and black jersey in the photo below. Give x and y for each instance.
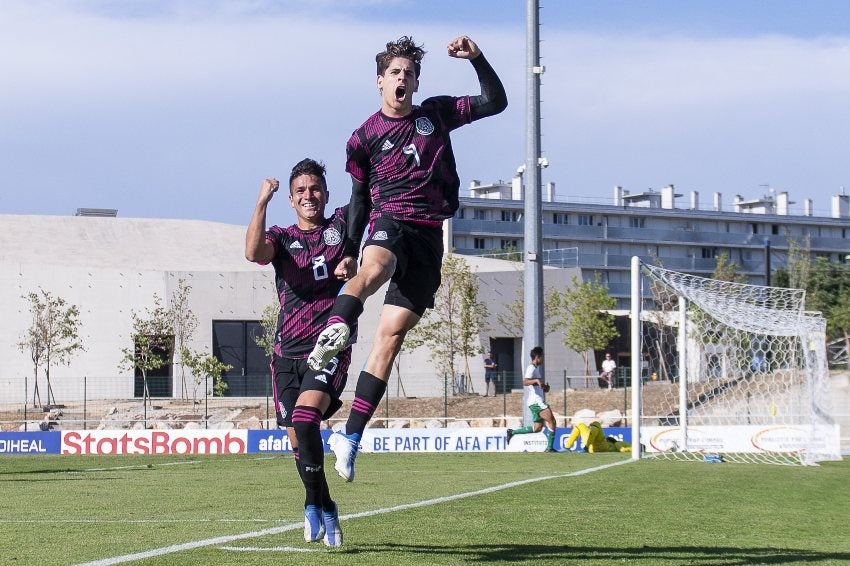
(408, 163)
(304, 264)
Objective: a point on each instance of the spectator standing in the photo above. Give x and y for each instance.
(490, 375)
(606, 377)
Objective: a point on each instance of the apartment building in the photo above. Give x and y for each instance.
(683, 234)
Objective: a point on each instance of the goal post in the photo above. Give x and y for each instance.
(731, 371)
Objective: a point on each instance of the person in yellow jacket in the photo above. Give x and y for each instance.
(594, 440)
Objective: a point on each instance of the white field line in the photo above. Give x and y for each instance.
(224, 540)
(134, 467)
(269, 549)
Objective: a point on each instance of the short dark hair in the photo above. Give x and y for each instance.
(536, 351)
(403, 47)
(308, 166)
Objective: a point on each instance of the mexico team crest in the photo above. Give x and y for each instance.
(332, 236)
(424, 126)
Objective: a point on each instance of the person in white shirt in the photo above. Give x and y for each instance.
(606, 377)
(536, 387)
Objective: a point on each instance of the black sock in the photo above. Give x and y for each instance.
(367, 395)
(311, 454)
(347, 309)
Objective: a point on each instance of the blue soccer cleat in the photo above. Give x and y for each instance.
(314, 525)
(333, 533)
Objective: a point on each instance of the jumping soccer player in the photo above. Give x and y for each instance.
(594, 440)
(310, 268)
(535, 387)
(405, 181)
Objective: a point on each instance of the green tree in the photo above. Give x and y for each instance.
(799, 263)
(53, 336)
(839, 320)
(183, 326)
(727, 270)
(579, 315)
(452, 328)
(828, 284)
(827, 281)
(205, 367)
(512, 317)
(153, 343)
(269, 323)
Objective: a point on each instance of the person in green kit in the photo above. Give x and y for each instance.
(535, 389)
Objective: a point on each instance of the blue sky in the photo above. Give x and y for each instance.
(178, 109)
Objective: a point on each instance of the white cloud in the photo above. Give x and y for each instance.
(190, 104)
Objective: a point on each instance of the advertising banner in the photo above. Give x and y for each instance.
(746, 438)
(29, 442)
(155, 442)
(375, 440)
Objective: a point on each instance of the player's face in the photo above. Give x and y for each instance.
(307, 195)
(397, 85)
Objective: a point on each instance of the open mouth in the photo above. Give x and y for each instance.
(399, 92)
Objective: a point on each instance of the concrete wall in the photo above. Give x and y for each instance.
(110, 267)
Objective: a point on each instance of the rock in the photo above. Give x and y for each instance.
(585, 416)
(251, 423)
(610, 418)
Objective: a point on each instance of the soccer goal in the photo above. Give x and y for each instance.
(739, 371)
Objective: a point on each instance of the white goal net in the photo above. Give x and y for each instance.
(739, 372)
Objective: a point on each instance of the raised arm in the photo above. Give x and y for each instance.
(257, 248)
(493, 98)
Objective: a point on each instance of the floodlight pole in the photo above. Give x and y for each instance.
(636, 356)
(533, 240)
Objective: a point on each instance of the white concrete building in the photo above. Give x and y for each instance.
(110, 267)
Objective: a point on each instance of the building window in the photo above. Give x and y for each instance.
(509, 244)
(637, 222)
(585, 220)
(511, 216)
(479, 214)
(774, 229)
(478, 243)
(560, 218)
(709, 253)
(234, 344)
(844, 232)
(754, 228)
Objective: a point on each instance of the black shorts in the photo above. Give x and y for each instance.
(292, 376)
(419, 256)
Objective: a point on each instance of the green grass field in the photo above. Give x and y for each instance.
(248, 510)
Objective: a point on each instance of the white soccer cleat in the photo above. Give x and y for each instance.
(345, 449)
(330, 342)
